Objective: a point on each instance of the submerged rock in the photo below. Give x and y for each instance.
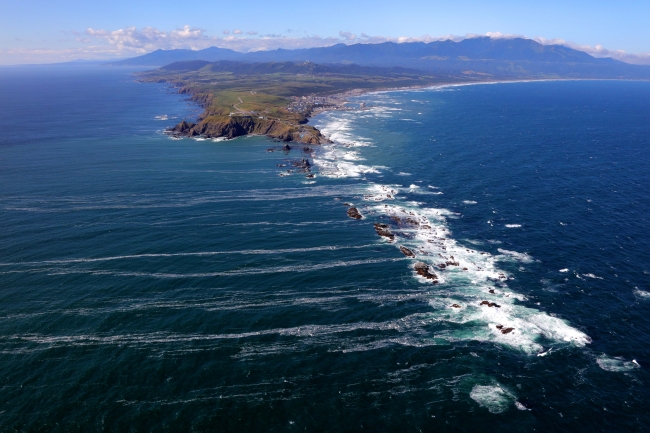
(406, 252)
(353, 212)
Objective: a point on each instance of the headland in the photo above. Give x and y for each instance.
(277, 99)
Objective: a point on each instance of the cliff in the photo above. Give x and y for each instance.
(237, 126)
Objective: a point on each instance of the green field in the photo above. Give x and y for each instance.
(267, 92)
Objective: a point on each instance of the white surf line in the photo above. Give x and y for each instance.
(472, 290)
(399, 326)
(196, 254)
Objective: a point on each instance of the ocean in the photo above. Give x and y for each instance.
(154, 284)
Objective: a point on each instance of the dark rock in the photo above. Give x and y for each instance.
(455, 306)
(442, 266)
(382, 230)
(490, 304)
(491, 291)
(311, 176)
(507, 330)
(425, 271)
(406, 252)
(286, 148)
(412, 222)
(353, 212)
(183, 127)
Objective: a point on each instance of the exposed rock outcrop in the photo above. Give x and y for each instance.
(490, 304)
(236, 126)
(353, 212)
(504, 330)
(406, 252)
(425, 271)
(382, 230)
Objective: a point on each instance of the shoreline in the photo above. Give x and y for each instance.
(360, 92)
(306, 133)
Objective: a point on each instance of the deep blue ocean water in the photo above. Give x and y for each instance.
(151, 284)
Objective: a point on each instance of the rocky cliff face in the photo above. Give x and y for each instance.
(236, 126)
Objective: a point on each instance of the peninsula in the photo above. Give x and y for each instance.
(276, 99)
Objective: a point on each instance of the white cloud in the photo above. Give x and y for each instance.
(128, 42)
(148, 39)
(600, 51)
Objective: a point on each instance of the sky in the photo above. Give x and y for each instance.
(45, 31)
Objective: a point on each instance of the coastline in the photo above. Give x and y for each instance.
(226, 127)
(359, 92)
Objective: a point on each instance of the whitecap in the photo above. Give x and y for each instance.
(513, 226)
(592, 276)
(642, 293)
(494, 398)
(521, 257)
(469, 202)
(564, 270)
(616, 364)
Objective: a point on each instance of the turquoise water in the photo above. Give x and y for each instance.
(154, 284)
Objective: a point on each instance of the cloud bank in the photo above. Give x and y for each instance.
(130, 41)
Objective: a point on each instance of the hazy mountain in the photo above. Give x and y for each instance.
(164, 57)
(499, 57)
(305, 68)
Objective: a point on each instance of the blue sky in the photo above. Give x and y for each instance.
(60, 30)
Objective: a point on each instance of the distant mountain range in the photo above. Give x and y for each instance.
(515, 57)
(304, 68)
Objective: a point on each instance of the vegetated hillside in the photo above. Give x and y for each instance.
(499, 58)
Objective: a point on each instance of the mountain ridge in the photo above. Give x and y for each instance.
(516, 57)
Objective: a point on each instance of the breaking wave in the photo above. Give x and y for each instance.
(471, 290)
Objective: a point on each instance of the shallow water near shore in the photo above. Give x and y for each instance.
(172, 285)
